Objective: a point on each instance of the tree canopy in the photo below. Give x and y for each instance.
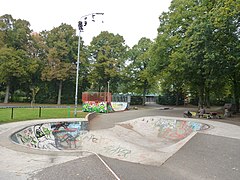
(107, 57)
(196, 53)
(193, 48)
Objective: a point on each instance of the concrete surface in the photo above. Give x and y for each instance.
(205, 155)
(148, 140)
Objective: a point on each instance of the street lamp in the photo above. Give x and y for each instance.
(7, 22)
(82, 23)
(108, 91)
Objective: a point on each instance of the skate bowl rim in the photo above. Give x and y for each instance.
(19, 147)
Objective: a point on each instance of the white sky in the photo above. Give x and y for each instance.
(132, 19)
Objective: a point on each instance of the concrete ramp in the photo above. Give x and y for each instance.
(119, 106)
(146, 140)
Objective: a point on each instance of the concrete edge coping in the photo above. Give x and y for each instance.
(90, 116)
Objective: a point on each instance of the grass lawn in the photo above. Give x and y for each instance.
(21, 114)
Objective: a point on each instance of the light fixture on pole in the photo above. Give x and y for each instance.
(108, 92)
(7, 24)
(82, 23)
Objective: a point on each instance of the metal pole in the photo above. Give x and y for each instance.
(78, 60)
(76, 90)
(40, 112)
(69, 111)
(12, 114)
(108, 102)
(108, 91)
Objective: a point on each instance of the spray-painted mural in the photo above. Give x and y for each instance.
(69, 136)
(176, 129)
(57, 135)
(100, 107)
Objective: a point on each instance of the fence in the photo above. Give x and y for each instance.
(30, 112)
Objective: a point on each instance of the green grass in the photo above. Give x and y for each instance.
(22, 114)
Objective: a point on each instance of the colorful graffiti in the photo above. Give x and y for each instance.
(135, 138)
(99, 107)
(119, 106)
(177, 129)
(57, 135)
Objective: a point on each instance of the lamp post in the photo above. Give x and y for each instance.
(108, 91)
(82, 23)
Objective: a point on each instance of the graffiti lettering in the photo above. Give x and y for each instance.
(119, 151)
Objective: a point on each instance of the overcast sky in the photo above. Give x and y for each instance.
(132, 19)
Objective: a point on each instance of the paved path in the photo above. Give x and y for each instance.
(212, 155)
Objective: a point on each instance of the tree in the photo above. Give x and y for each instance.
(56, 70)
(15, 65)
(168, 57)
(226, 21)
(37, 51)
(192, 39)
(16, 32)
(16, 62)
(61, 43)
(107, 57)
(139, 58)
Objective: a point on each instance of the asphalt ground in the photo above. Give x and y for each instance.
(203, 157)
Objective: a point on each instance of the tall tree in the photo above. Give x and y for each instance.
(226, 20)
(108, 53)
(168, 54)
(61, 42)
(15, 65)
(16, 32)
(139, 58)
(15, 57)
(191, 38)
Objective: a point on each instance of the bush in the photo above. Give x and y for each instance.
(136, 100)
(2, 95)
(169, 98)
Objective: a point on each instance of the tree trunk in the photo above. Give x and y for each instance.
(59, 92)
(7, 93)
(236, 95)
(177, 97)
(34, 91)
(201, 97)
(207, 98)
(144, 92)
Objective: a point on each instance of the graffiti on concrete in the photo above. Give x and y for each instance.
(120, 142)
(91, 138)
(117, 151)
(177, 129)
(119, 106)
(92, 106)
(27, 138)
(57, 135)
(99, 107)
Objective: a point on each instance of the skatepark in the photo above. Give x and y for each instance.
(148, 143)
